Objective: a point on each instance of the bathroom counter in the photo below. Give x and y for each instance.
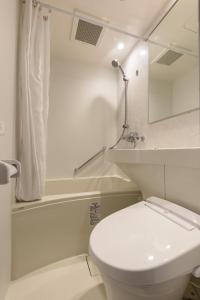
(183, 157)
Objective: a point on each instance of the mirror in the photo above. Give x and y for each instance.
(173, 63)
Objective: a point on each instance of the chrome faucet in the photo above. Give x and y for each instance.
(133, 137)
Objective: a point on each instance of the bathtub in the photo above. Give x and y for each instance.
(59, 225)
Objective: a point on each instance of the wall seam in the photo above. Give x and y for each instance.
(164, 178)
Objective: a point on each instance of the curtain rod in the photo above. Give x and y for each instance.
(113, 28)
(96, 22)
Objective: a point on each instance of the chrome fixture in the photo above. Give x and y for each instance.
(96, 155)
(116, 64)
(133, 137)
(125, 126)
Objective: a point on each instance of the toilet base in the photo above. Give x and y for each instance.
(170, 290)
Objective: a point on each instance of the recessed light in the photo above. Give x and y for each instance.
(151, 257)
(143, 52)
(120, 46)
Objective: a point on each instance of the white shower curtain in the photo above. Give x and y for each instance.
(34, 71)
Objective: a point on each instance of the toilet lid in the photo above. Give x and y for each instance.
(140, 245)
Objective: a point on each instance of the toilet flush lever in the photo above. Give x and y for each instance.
(196, 272)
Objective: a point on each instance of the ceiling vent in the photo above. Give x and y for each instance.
(86, 31)
(167, 57)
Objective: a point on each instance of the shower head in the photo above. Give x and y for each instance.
(116, 64)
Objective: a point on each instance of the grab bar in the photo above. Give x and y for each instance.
(76, 170)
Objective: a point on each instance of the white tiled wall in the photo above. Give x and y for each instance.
(82, 115)
(183, 187)
(180, 185)
(180, 131)
(149, 178)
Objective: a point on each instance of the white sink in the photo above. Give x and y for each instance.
(183, 157)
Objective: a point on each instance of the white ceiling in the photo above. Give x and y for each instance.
(135, 16)
(180, 27)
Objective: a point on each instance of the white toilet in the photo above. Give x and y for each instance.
(147, 251)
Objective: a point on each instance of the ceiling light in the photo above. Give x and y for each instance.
(143, 52)
(120, 46)
(151, 257)
(168, 247)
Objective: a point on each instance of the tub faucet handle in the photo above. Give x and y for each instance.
(133, 137)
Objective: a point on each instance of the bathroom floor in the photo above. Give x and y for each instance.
(70, 279)
(75, 278)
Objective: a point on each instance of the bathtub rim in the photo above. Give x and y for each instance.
(125, 178)
(66, 198)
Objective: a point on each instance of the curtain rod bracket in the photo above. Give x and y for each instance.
(35, 3)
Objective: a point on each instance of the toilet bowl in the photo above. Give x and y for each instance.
(147, 251)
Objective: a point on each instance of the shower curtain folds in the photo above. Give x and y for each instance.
(34, 71)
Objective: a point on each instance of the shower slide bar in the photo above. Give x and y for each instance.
(99, 153)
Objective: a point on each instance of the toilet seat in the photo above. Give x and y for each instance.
(141, 246)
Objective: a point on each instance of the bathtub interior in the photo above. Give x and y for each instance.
(63, 189)
(103, 184)
(58, 226)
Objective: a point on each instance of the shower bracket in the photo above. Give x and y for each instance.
(125, 126)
